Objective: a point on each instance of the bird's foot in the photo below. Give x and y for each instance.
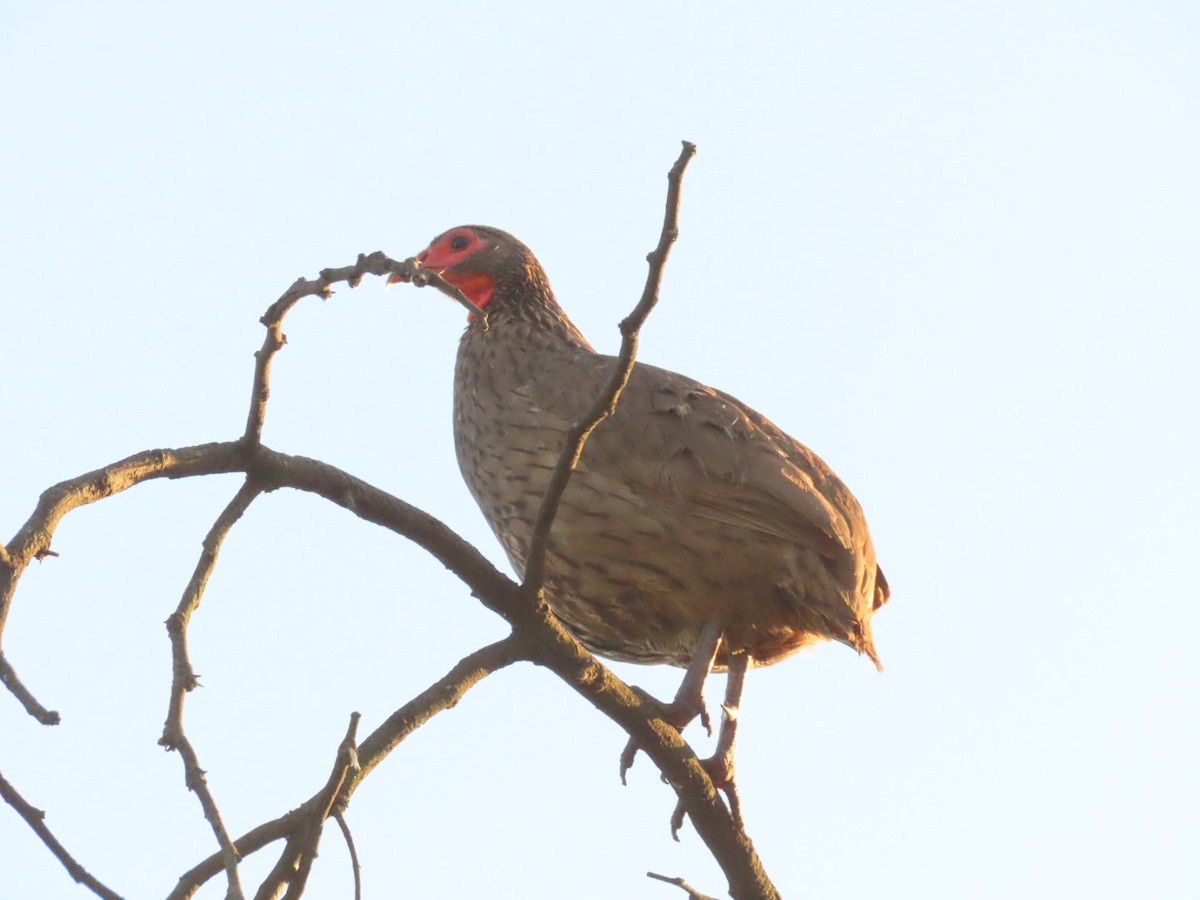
(720, 768)
(689, 699)
(679, 713)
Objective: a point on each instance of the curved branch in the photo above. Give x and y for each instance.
(33, 540)
(377, 263)
(353, 851)
(274, 470)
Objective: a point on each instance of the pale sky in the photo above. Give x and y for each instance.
(951, 247)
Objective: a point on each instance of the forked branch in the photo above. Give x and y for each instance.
(442, 695)
(537, 635)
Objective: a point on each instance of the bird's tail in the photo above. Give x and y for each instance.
(865, 643)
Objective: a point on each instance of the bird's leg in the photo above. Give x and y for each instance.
(720, 766)
(689, 699)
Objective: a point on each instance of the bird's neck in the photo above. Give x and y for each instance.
(529, 315)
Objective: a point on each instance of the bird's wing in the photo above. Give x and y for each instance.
(706, 452)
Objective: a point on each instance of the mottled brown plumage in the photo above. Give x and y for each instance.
(687, 507)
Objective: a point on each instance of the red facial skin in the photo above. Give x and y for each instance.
(450, 250)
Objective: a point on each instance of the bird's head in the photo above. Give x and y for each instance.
(491, 267)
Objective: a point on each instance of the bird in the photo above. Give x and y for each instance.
(693, 531)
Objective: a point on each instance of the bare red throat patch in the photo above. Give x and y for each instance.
(478, 286)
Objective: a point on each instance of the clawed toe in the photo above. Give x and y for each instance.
(720, 766)
(688, 705)
(679, 713)
(720, 769)
(689, 699)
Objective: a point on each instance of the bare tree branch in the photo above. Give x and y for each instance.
(183, 678)
(537, 634)
(442, 695)
(377, 263)
(605, 405)
(689, 779)
(36, 819)
(295, 863)
(730, 846)
(10, 679)
(419, 277)
(33, 540)
(680, 883)
(250, 842)
(354, 864)
(547, 642)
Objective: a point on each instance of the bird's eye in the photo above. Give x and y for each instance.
(459, 242)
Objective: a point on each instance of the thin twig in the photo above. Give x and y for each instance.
(606, 403)
(440, 696)
(680, 883)
(251, 842)
(419, 277)
(295, 863)
(183, 679)
(36, 820)
(345, 764)
(275, 338)
(377, 263)
(10, 679)
(354, 864)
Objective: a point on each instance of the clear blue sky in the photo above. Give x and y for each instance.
(952, 247)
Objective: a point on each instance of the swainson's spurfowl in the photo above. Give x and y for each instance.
(693, 532)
